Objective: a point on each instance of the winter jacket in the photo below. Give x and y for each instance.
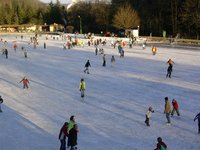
(148, 114)
(161, 145)
(167, 107)
(63, 132)
(197, 117)
(1, 100)
(72, 138)
(175, 104)
(82, 86)
(24, 81)
(70, 125)
(87, 64)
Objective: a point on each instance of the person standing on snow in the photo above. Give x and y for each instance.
(1, 101)
(167, 110)
(87, 65)
(160, 145)
(62, 136)
(175, 107)
(148, 115)
(198, 118)
(82, 87)
(169, 69)
(25, 82)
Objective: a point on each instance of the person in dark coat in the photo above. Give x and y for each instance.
(104, 60)
(87, 65)
(62, 136)
(72, 138)
(169, 69)
(198, 118)
(1, 101)
(6, 53)
(160, 145)
(45, 45)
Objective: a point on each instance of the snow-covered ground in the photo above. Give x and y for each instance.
(112, 115)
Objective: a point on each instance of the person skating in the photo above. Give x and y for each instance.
(175, 107)
(112, 60)
(154, 50)
(160, 145)
(6, 53)
(87, 65)
(104, 60)
(148, 115)
(96, 50)
(25, 82)
(167, 110)
(71, 123)
(72, 138)
(25, 54)
(197, 117)
(45, 45)
(1, 101)
(169, 69)
(62, 136)
(82, 87)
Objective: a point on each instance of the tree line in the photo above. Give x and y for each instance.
(151, 16)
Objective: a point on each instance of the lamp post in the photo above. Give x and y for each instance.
(80, 23)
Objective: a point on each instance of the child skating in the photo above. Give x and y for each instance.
(82, 87)
(148, 115)
(25, 82)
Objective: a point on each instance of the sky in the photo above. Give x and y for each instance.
(62, 1)
(111, 116)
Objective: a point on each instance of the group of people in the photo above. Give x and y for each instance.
(167, 110)
(69, 130)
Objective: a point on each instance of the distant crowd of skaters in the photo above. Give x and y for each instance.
(70, 129)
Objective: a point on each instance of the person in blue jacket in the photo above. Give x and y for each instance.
(198, 117)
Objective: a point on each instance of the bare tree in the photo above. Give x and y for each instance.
(126, 18)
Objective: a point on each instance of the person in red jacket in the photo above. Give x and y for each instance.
(160, 145)
(175, 107)
(25, 82)
(62, 136)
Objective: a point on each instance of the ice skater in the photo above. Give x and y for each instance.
(167, 110)
(154, 50)
(62, 136)
(1, 101)
(175, 108)
(72, 138)
(169, 69)
(160, 145)
(25, 82)
(6, 53)
(87, 65)
(104, 60)
(112, 60)
(148, 115)
(82, 87)
(198, 118)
